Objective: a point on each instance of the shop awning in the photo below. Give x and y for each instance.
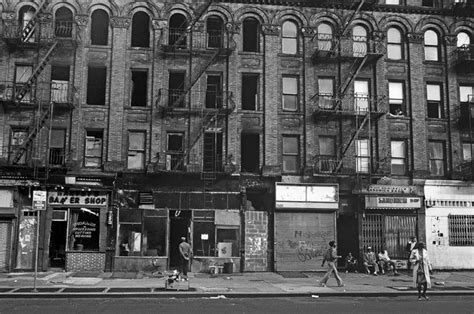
(392, 202)
(7, 212)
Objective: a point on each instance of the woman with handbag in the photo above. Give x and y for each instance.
(421, 270)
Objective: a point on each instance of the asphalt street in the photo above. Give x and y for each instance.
(314, 304)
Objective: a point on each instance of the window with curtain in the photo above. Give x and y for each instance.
(398, 157)
(437, 160)
(326, 93)
(84, 229)
(359, 41)
(290, 154)
(136, 150)
(431, 42)
(434, 103)
(396, 98)
(362, 155)
(290, 93)
(394, 44)
(289, 35)
(325, 37)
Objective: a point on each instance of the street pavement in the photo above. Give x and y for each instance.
(258, 284)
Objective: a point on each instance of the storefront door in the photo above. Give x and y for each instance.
(5, 244)
(179, 227)
(57, 244)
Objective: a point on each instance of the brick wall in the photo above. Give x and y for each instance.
(256, 235)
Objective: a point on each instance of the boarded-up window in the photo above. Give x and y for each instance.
(136, 150)
(93, 149)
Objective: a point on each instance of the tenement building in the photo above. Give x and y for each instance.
(258, 130)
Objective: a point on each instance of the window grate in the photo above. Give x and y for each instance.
(461, 230)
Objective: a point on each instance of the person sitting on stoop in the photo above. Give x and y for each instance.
(370, 260)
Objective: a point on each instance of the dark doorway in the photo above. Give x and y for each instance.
(180, 222)
(57, 244)
(347, 237)
(250, 152)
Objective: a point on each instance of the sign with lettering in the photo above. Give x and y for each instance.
(39, 200)
(78, 198)
(392, 202)
(391, 189)
(84, 229)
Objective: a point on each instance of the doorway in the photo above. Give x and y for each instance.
(180, 224)
(57, 244)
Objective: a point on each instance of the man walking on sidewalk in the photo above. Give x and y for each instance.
(331, 258)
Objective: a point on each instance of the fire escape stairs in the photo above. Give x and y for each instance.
(345, 28)
(29, 28)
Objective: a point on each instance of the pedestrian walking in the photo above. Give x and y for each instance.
(185, 253)
(330, 257)
(421, 270)
(408, 248)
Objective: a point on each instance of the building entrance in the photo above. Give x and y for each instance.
(180, 226)
(57, 244)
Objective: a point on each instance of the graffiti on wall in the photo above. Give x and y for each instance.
(438, 237)
(256, 245)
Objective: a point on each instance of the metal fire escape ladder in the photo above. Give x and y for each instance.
(345, 28)
(355, 69)
(204, 8)
(29, 28)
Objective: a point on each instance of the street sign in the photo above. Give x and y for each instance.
(39, 200)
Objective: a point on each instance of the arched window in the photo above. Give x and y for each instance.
(215, 32)
(463, 39)
(394, 44)
(25, 15)
(289, 38)
(324, 37)
(359, 41)
(251, 35)
(177, 31)
(99, 27)
(141, 30)
(63, 23)
(431, 46)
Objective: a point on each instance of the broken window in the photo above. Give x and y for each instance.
(176, 89)
(93, 149)
(57, 147)
(22, 90)
(99, 27)
(177, 31)
(174, 151)
(250, 152)
(59, 84)
(96, 84)
(214, 91)
(139, 88)
(251, 35)
(250, 91)
(17, 140)
(136, 150)
(63, 23)
(215, 32)
(25, 15)
(141, 30)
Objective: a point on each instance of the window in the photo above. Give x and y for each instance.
(461, 230)
(215, 32)
(428, 3)
(136, 150)
(84, 229)
(396, 98)
(394, 44)
(291, 154)
(467, 150)
(18, 139)
(289, 44)
(362, 155)
(63, 23)
(139, 88)
(141, 30)
(57, 151)
(290, 93)
(435, 106)
(463, 39)
(436, 154)
(326, 93)
(142, 232)
(176, 89)
(25, 15)
(251, 35)
(431, 46)
(96, 84)
(214, 91)
(212, 155)
(325, 37)
(398, 157)
(250, 152)
(250, 91)
(22, 75)
(393, 2)
(466, 94)
(177, 31)
(99, 27)
(227, 241)
(174, 151)
(204, 233)
(359, 41)
(327, 154)
(93, 149)
(59, 84)
(361, 95)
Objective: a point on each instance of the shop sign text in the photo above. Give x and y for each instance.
(77, 198)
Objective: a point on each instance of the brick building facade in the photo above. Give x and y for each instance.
(146, 121)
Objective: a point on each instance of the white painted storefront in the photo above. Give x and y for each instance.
(450, 223)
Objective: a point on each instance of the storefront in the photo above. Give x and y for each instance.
(389, 217)
(450, 223)
(7, 220)
(78, 229)
(305, 222)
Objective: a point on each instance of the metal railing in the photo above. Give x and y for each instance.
(200, 99)
(211, 39)
(355, 103)
(59, 92)
(325, 45)
(42, 33)
(464, 53)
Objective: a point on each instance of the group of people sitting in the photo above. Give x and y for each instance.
(380, 262)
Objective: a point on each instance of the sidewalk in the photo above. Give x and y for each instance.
(266, 284)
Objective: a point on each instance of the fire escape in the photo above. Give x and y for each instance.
(206, 48)
(353, 112)
(28, 93)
